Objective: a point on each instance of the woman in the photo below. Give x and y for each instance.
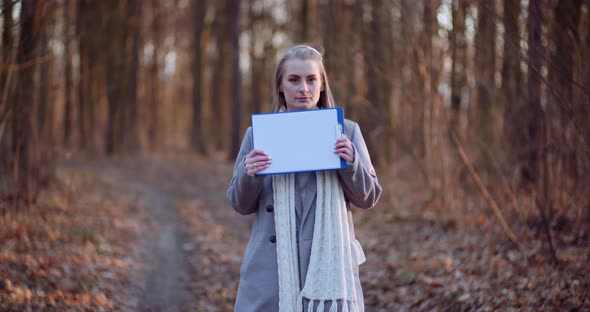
(310, 264)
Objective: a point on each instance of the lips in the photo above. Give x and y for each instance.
(303, 99)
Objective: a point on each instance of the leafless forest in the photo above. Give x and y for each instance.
(475, 112)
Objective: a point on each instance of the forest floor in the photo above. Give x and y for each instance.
(155, 233)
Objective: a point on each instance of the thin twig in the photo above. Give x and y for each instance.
(486, 194)
(508, 188)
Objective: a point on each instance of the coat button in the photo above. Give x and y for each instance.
(273, 239)
(269, 208)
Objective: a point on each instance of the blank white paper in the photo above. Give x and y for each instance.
(298, 141)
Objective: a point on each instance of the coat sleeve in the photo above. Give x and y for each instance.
(359, 180)
(244, 190)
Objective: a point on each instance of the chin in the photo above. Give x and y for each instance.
(301, 106)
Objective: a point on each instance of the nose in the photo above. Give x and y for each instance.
(304, 89)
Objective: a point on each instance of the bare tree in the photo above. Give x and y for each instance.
(234, 14)
(24, 145)
(115, 77)
(6, 86)
(197, 140)
(220, 75)
(514, 106)
(565, 39)
(485, 64)
(459, 59)
(68, 125)
(378, 91)
(308, 16)
(132, 42)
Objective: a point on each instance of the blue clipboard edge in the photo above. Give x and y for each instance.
(339, 116)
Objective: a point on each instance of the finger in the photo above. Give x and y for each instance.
(344, 141)
(344, 147)
(259, 164)
(344, 156)
(340, 140)
(343, 151)
(260, 167)
(260, 158)
(256, 152)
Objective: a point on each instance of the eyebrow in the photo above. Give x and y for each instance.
(293, 75)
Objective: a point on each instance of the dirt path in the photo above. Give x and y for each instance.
(161, 251)
(194, 231)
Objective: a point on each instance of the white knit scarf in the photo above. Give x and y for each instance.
(330, 276)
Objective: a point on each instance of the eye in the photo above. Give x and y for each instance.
(312, 79)
(293, 79)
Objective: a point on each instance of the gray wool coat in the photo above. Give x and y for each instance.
(259, 287)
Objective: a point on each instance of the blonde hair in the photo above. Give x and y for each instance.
(301, 52)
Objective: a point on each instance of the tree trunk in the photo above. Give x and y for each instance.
(514, 106)
(565, 41)
(485, 60)
(24, 145)
(197, 141)
(458, 68)
(220, 76)
(432, 139)
(378, 64)
(535, 123)
(154, 101)
(68, 104)
(308, 20)
(256, 57)
(88, 14)
(44, 109)
(8, 56)
(116, 84)
(234, 13)
(6, 90)
(133, 25)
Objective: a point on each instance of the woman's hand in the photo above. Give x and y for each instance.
(344, 149)
(256, 161)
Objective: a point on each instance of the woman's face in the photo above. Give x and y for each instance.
(301, 84)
